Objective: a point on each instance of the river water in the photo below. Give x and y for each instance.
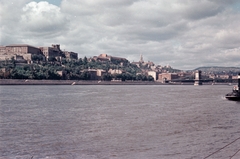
(118, 122)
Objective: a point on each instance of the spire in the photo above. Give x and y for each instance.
(141, 58)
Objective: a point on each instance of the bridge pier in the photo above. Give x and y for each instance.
(198, 78)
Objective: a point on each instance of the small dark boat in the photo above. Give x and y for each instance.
(235, 94)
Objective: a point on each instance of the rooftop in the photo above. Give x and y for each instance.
(20, 45)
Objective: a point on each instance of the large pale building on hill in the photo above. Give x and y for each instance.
(25, 52)
(70, 55)
(17, 50)
(53, 51)
(105, 57)
(141, 62)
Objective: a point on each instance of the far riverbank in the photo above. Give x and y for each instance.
(81, 82)
(73, 82)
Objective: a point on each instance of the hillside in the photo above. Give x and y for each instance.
(219, 69)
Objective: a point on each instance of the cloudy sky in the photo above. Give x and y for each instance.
(185, 34)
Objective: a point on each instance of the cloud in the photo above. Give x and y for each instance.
(9, 20)
(31, 22)
(185, 34)
(42, 18)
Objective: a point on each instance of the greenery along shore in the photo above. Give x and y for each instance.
(70, 69)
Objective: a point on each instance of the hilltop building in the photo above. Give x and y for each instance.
(70, 55)
(105, 57)
(17, 51)
(55, 51)
(25, 52)
(141, 63)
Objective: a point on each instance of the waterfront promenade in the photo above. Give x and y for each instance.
(93, 82)
(73, 82)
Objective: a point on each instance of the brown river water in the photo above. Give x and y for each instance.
(118, 122)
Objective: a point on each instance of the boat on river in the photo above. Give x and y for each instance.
(235, 94)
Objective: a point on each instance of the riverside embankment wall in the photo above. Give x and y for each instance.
(78, 82)
(72, 82)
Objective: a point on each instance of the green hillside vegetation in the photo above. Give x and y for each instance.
(72, 69)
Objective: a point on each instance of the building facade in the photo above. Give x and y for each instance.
(70, 55)
(153, 74)
(53, 51)
(25, 52)
(105, 57)
(164, 77)
(15, 51)
(115, 71)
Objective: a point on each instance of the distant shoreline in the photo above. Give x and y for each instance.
(73, 82)
(82, 82)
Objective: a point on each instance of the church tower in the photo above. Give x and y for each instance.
(141, 59)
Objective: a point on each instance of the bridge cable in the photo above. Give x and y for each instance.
(223, 148)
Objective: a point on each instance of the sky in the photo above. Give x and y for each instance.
(184, 34)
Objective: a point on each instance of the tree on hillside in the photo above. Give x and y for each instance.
(107, 77)
(85, 60)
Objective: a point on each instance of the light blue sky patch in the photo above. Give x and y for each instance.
(236, 6)
(55, 2)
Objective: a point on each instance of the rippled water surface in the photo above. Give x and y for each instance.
(117, 122)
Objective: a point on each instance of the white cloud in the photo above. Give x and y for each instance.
(185, 34)
(42, 18)
(31, 22)
(10, 12)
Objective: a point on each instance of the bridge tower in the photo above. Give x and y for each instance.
(198, 78)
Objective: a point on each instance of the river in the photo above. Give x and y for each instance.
(118, 122)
